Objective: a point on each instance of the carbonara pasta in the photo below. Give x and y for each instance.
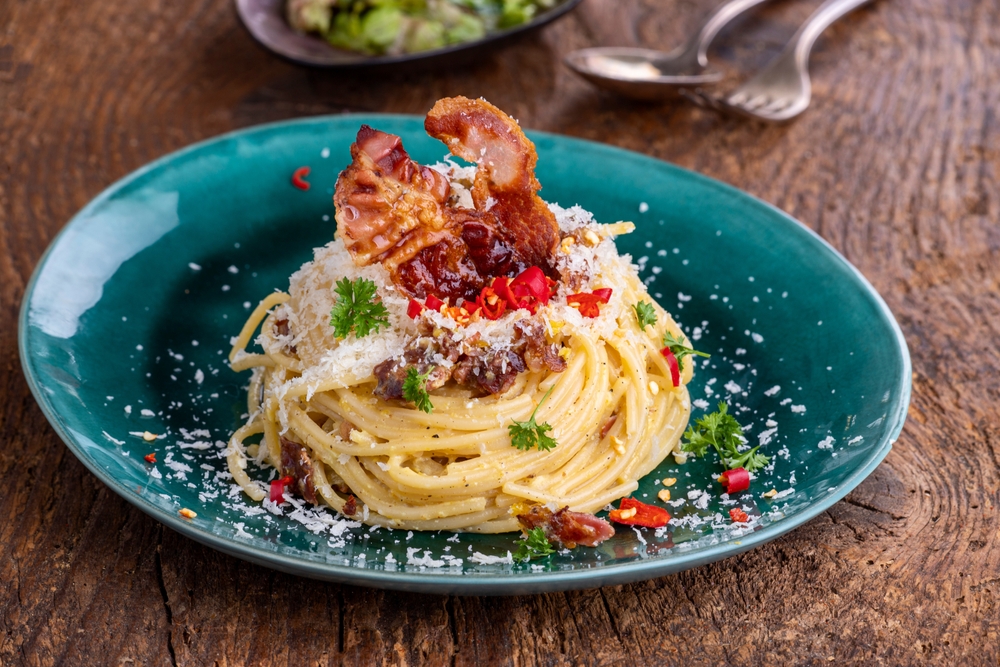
(336, 415)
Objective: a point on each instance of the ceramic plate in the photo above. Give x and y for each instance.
(127, 321)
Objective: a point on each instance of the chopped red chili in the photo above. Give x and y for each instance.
(531, 288)
(735, 480)
(298, 178)
(150, 458)
(738, 516)
(604, 294)
(351, 506)
(631, 512)
(278, 488)
(589, 303)
(414, 309)
(675, 369)
(434, 303)
(528, 290)
(492, 304)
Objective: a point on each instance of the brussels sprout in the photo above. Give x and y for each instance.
(380, 27)
(310, 15)
(465, 29)
(516, 12)
(346, 32)
(424, 36)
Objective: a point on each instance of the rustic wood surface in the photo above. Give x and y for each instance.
(896, 164)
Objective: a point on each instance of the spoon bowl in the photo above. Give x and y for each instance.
(638, 73)
(651, 75)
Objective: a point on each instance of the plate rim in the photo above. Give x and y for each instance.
(499, 583)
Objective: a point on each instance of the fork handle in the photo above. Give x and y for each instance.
(802, 42)
(716, 21)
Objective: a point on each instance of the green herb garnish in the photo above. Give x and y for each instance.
(533, 545)
(356, 309)
(525, 435)
(721, 430)
(680, 350)
(645, 314)
(415, 389)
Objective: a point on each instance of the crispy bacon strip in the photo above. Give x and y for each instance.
(383, 197)
(394, 211)
(505, 184)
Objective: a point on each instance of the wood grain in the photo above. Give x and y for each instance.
(897, 165)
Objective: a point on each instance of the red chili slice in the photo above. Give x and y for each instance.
(648, 516)
(527, 290)
(150, 458)
(278, 488)
(434, 303)
(495, 310)
(675, 369)
(588, 303)
(604, 294)
(738, 516)
(298, 178)
(735, 480)
(531, 282)
(414, 309)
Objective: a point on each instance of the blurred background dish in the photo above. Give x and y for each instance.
(382, 39)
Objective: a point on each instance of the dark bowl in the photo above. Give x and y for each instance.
(265, 21)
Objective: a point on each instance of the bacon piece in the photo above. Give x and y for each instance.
(505, 184)
(392, 210)
(538, 353)
(296, 463)
(345, 430)
(351, 506)
(565, 527)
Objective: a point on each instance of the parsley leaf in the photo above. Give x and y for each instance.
(646, 315)
(680, 350)
(356, 309)
(721, 430)
(525, 435)
(533, 545)
(415, 389)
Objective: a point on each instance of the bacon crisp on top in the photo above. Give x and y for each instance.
(392, 210)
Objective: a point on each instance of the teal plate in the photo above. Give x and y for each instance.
(127, 320)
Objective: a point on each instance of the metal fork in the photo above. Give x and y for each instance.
(781, 90)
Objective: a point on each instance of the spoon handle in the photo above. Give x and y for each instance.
(716, 21)
(831, 10)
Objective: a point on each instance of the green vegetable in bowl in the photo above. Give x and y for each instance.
(393, 27)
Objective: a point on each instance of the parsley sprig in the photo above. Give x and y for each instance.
(645, 313)
(721, 430)
(415, 388)
(356, 309)
(525, 435)
(680, 350)
(533, 545)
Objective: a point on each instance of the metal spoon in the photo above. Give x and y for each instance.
(650, 74)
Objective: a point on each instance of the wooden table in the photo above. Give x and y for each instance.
(896, 164)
